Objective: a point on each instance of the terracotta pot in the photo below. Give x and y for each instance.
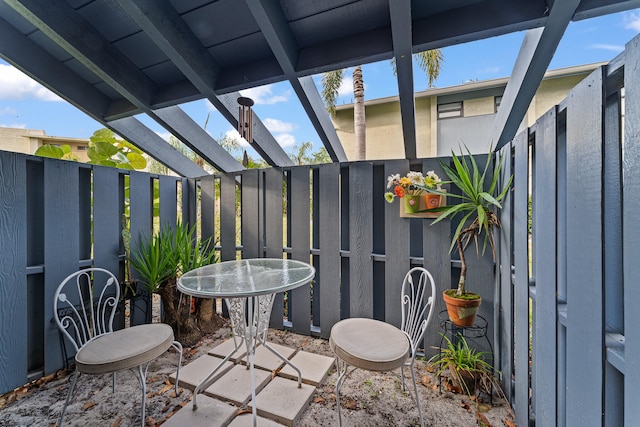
(462, 312)
(432, 200)
(411, 204)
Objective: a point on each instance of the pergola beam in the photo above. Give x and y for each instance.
(151, 143)
(534, 57)
(197, 139)
(275, 28)
(400, 11)
(168, 30)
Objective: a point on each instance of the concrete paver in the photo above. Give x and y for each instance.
(225, 348)
(196, 371)
(314, 367)
(235, 385)
(246, 420)
(210, 413)
(281, 400)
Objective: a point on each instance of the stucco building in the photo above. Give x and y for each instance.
(451, 116)
(27, 141)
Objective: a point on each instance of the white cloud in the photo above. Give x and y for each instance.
(632, 21)
(14, 125)
(235, 135)
(17, 86)
(346, 87)
(489, 70)
(277, 126)
(611, 47)
(264, 95)
(285, 140)
(8, 111)
(164, 135)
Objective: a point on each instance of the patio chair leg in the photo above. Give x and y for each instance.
(341, 378)
(142, 379)
(178, 347)
(415, 390)
(66, 402)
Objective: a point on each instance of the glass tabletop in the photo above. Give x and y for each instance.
(246, 277)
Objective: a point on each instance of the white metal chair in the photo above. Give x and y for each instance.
(378, 346)
(84, 306)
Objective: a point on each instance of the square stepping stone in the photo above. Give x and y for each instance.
(265, 359)
(235, 385)
(314, 367)
(197, 370)
(246, 420)
(210, 413)
(282, 401)
(226, 347)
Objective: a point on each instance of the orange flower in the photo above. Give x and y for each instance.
(399, 191)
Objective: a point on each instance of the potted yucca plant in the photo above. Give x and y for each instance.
(478, 220)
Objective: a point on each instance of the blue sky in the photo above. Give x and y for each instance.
(26, 104)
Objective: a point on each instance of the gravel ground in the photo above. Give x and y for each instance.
(368, 399)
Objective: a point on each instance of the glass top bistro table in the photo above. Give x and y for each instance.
(248, 287)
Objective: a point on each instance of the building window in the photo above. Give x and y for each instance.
(452, 109)
(81, 148)
(497, 100)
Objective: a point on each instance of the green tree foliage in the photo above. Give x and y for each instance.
(105, 149)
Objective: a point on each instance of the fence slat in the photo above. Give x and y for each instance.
(299, 215)
(208, 208)
(329, 269)
(584, 251)
(107, 206)
(521, 285)
(437, 260)
(360, 240)
(227, 217)
(396, 248)
(141, 207)
(504, 333)
(273, 229)
(168, 201)
(250, 215)
(61, 243)
(545, 229)
(13, 284)
(631, 237)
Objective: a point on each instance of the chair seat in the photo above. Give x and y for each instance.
(369, 344)
(124, 349)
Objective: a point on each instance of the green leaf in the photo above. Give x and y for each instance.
(50, 151)
(137, 161)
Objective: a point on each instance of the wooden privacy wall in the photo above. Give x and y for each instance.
(335, 217)
(57, 217)
(568, 336)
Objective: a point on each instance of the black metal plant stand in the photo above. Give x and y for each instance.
(476, 331)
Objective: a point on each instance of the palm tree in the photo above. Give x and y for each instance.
(428, 61)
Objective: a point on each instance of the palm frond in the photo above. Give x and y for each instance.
(430, 62)
(331, 81)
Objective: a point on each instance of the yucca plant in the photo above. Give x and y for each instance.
(159, 261)
(477, 206)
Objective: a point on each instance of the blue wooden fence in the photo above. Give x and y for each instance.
(569, 345)
(57, 217)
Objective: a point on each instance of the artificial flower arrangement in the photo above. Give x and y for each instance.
(411, 187)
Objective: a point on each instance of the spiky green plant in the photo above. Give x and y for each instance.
(477, 205)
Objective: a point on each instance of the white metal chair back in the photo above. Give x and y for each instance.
(417, 305)
(81, 317)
